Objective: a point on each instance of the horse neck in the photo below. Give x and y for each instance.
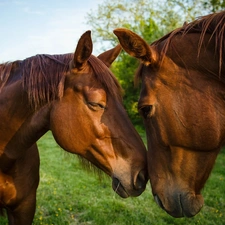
(202, 68)
(24, 125)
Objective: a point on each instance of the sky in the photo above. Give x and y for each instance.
(30, 27)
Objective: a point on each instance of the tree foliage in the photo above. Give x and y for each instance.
(150, 19)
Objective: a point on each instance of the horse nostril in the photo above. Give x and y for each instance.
(145, 110)
(141, 180)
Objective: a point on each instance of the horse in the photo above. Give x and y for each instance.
(79, 100)
(182, 103)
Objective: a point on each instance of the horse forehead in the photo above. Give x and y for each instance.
(89, 86)
(151, 78)
(83, 77)
(147, 75)
(97, 93)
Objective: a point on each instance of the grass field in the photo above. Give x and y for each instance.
(69, 195)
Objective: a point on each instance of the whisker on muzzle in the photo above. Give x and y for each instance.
(115, 191)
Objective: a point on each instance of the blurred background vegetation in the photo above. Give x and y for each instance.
(151, 19)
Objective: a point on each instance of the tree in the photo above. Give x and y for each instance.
(196, 8)
(151, 19)
(214, 5)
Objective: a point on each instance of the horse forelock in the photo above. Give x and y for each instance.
(212, 24)
(106, 77)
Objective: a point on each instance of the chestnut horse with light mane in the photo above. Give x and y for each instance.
(182, 101)
(79, 100)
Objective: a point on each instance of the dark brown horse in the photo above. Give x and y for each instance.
(79, 100)
(182, 102)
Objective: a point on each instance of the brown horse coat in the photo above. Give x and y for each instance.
(182, 104)
(79, 100)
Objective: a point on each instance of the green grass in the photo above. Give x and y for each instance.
(68, 194)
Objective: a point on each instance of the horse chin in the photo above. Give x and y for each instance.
(182, 205)
(191, 204)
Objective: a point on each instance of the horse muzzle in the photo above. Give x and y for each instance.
(181, 205)
(130, 189)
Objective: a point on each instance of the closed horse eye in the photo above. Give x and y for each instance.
(96, 106)
(145, 111)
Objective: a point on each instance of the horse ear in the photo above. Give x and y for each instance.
(136, 46)
(83, 50)
(109, 56)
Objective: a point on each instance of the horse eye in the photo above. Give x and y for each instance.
(101, 106)
(96, 106)
(145, 110)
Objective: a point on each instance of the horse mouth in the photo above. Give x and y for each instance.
(182, 208)
(159, 202)
(118, 188)
(177, 213)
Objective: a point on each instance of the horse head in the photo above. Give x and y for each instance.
(182, 105)
(90, 120)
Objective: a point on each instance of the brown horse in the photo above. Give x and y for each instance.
(182, 102)
(79, 100)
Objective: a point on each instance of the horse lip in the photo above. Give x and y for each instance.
(182, 207)
(118, 188)
(180, 212)
(189, 213)
(159, 202)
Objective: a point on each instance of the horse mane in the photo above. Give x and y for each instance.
(213, 24)
(5, 70)
(106, 77)
(43, 77)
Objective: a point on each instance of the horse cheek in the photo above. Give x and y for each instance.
(64, 125)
